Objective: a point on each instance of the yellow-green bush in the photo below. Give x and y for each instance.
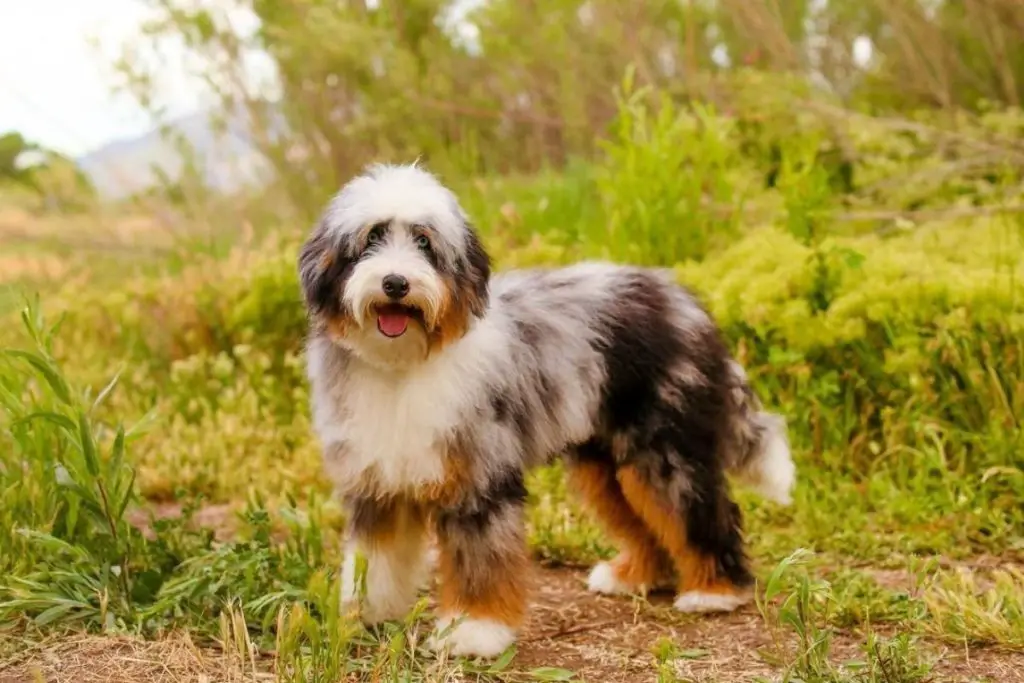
(919, 333)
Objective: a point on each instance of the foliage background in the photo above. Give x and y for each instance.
(855, 226)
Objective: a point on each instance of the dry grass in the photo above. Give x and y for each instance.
(113, 659)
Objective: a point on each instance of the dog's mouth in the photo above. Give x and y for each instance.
(393, 319)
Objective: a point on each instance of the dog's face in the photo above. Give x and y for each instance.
(394, 271)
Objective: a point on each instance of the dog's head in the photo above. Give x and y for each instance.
(394, 270)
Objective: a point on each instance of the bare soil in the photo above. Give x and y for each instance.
(612, 639)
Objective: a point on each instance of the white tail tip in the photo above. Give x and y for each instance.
(773, 474)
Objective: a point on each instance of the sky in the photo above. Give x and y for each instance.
(56, 80)
(57, 84)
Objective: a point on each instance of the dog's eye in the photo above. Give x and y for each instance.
(423, 242)
(375, 235)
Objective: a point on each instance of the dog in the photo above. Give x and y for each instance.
(435, 387)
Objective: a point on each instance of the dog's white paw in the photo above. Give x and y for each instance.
(602, 580)
(472, 637)
(696, 601)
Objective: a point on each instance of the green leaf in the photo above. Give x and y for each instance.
(774, 584)
(54, 613)
(53, 544)
(139, 428)
(88, 446)
(62, 421)
(117, 451)
(71, 520)
(502, 662)
(128, 495)
(49, 373)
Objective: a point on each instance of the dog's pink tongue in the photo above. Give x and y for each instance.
(392, 323)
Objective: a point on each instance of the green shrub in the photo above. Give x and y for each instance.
(919, 334)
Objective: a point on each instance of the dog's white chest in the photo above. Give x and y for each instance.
(395, 427)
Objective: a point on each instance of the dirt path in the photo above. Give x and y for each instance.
(611, 639)
(602, 639)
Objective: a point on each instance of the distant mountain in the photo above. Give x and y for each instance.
(229, 159)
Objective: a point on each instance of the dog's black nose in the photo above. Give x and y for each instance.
(395, 286)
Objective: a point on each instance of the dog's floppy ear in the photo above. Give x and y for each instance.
(323, 264)
(477, 273)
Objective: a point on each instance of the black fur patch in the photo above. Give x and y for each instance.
(477, 271)
(501, 408)
(714, 525)
(636, 347)
(324, 266)
(368, 513)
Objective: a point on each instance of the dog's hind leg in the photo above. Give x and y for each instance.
(697, 523)
(641, 564)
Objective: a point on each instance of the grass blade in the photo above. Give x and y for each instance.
(88, 446)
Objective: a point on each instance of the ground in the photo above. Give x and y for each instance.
(602, 639)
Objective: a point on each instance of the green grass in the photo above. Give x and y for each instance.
(897, 356)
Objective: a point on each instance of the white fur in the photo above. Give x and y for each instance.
(349, 586)
(429, 401)
(696, 601)
(773, 474)
(407, 194)
(603, 580)
(399, 256)
(393, 577)
(472, 637)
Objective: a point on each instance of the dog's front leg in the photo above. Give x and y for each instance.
(385, 559)
(484, 572)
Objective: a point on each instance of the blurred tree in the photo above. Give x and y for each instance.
(14, 150)
(514, 85)
(54, 178)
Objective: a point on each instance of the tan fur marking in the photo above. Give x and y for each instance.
(337, 328)
(640, 562)
(452, 318)
(453, 487)
(504, 601)
(697, 571)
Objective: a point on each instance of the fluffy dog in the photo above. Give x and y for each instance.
(435, 387)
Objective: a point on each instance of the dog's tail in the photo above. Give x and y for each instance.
(758, 452)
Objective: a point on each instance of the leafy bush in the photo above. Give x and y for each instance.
(71, 551)
(67, 486)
